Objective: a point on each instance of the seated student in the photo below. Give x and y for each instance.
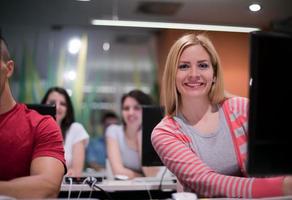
(31, 151)
(124, 141)
(75, 136)
(96, 150)
(202, 139)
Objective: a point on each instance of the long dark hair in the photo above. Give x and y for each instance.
(141, 97)
(69, 117)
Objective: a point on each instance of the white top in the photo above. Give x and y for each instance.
(75, 134)
(130, 157)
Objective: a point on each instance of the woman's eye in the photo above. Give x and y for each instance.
(63, 104)
(183, 66)
(137, 108)
(203, 65)
(126, 108)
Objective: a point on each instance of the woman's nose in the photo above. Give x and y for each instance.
(131, 111)
(193, 72)
(57, 106)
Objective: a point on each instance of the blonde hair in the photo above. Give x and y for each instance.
(169, 94)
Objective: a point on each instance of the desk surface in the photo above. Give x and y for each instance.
(129, 189)
(113, 185)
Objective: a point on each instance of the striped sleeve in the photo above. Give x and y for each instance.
(173, 148)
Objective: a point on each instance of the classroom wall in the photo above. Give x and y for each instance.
(233, 49)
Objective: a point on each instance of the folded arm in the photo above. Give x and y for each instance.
(174, 150)
(45, 179)
(114, 156)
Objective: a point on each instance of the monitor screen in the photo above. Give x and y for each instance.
(270, 136)
(43, 109)
(151, 116)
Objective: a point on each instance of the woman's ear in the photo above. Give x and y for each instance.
(214, 80)
(10, 68)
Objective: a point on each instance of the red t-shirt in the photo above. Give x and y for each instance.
(25, 135)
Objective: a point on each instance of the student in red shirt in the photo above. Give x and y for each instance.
(32, 155)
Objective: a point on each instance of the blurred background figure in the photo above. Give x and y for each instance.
(124, 141)
(96, 150)
(75, 136)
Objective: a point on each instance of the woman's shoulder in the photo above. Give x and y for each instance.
(169, 128)
(236, 104)
(76, 125)
(115, 127)
(167, 123)
(113, 130)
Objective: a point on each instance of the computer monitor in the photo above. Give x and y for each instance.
(151, 116)
(270, 133)
(43, 109)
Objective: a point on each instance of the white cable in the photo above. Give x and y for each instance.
(83, 183)
(148, 190)
(70, 187)
(93, 181)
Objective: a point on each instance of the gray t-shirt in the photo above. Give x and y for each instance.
(130, 157)
(215, 149)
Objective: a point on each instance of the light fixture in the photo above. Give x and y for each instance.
(166, 25)
(106, 46)
(254, 7)
(70, 75)
(74, 45)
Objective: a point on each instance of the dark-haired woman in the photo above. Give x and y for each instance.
(124, 141)
(75, 136)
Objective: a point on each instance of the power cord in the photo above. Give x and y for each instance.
(92, 182)
(70, 187)
(79, 194)
(161, 180)
(148, 191)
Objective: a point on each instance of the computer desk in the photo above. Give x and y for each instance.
(129, 189)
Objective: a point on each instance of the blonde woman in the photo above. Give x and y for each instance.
(203, 139)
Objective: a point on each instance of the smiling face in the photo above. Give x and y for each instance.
(195, 73)
(59, 100)
(132, 112)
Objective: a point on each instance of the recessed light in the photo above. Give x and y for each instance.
(83, 0)
(254, 7)
(106, 46)
(74, 45)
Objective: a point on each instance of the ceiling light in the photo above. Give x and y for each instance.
(83, 0)
(165, 25)
(74, 45)
(70, 75)
(106, 46)
(254, 7)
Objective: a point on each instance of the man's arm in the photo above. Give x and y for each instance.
(45, 179)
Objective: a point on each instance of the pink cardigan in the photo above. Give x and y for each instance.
(172, 145)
